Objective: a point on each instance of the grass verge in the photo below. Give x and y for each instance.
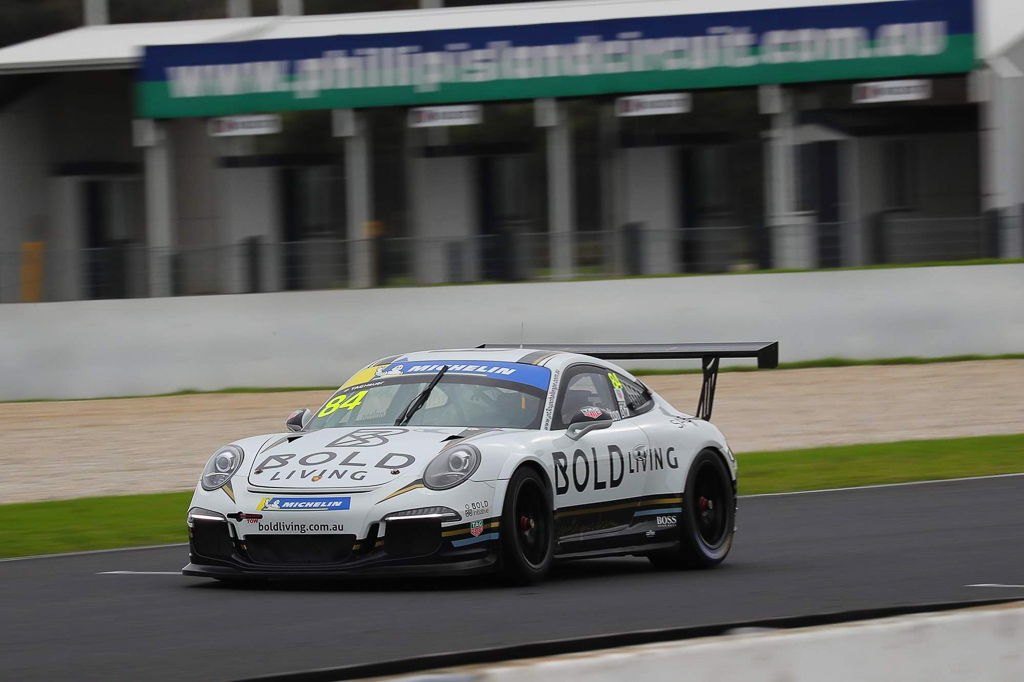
(105, 522)
(92, 523)
(873, 464)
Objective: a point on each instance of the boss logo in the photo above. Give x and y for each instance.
(667, 520)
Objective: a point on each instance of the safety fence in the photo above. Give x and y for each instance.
(124, 270)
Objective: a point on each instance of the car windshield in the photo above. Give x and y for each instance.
(470, 394)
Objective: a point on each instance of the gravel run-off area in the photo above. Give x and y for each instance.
(57, 450)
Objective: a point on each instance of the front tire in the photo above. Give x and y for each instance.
(527, 529)
(708, 521)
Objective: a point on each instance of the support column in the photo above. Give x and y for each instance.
(999, 93)
(289, 7)
(353, 126)
(95, 12)
(612, 189)
(551, 114)
(792, 233)
(852, 213)
(431, 4)
(67, 230)
(239, 8)
(155, 137)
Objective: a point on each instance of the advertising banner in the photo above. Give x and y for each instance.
(439, 117)
(873, 40)
(654, 105)
(892, 91)
(234, 126)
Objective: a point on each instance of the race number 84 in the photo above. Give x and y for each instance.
(342, 402)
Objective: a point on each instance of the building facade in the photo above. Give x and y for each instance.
(502, 142)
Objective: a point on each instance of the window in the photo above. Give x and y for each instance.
(457, 400)
(638, 397)
(585, 386)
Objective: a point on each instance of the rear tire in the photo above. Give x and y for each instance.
(527, 529)
(708, 521)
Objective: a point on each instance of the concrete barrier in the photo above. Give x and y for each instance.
(980, 645)
(143, 346)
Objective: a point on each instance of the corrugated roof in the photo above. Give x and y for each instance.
(120, 45)
(520, 14)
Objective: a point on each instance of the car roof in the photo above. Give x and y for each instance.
(527, 355)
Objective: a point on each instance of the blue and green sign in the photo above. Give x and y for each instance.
(799, 44)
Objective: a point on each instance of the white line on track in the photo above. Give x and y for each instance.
(886, 485)
(139, 573)
(995, 585)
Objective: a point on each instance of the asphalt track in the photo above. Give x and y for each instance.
(64, 618)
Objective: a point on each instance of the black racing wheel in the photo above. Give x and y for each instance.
(708, 521)
(527, 529)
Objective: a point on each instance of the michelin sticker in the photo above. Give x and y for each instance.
(304, 504)
(531, 375)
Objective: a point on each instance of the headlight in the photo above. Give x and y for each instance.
(433, 513)
(451, 467)
(221, 467)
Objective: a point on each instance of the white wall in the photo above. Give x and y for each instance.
(144, 346)
(980, 645)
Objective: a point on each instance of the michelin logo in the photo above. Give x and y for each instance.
(385, 372)
(463, 369)
(304, 504)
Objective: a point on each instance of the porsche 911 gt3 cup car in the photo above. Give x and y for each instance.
(496, 458)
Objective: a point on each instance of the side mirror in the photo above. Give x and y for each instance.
(297, 419)
(588, 419)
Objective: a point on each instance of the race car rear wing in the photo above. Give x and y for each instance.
(767, 354)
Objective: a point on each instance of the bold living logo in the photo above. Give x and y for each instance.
(583, 469)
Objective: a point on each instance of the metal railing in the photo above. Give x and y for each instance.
(126, 270)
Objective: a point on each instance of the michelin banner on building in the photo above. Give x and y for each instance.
(798, 44)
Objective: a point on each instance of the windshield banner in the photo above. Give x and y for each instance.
(865, 40)
(531, 375)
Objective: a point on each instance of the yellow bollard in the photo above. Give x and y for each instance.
(32, 272)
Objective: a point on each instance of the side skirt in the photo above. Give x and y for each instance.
(616, 551)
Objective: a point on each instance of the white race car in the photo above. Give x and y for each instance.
(497, 458)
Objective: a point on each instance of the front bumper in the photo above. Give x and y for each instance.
(412, 547)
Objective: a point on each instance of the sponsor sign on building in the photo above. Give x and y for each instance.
(654, 105)
(454, 115)
(232, 126)
(864, 40)
(892, 91)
